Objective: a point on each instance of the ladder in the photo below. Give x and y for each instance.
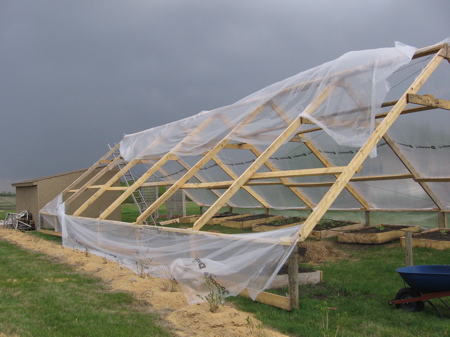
(129, 180)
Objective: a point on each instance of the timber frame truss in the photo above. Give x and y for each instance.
(251, 177)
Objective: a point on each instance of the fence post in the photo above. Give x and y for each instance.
(293, 277)
(408, 248)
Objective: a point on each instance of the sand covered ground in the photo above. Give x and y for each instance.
(184, 320)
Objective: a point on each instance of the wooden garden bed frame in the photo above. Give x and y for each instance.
(250, 177)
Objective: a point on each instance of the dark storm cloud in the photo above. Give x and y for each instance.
(77, 75)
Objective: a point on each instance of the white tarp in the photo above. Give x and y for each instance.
(232, 262)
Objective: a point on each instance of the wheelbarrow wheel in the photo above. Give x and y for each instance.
(406, 293)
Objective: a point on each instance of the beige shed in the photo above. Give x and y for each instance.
(32, 195)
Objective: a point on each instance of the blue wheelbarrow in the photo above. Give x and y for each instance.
(425, 282)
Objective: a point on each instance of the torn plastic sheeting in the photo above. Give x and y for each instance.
(233, 262)
(357, 81)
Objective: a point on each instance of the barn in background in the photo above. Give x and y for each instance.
(32, 195)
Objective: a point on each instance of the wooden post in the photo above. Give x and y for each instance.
(408, 248)
(293, 277)
(367, 214)
(442, 220)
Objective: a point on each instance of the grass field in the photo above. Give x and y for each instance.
(352, 300)
(40, 297)
(7, 203)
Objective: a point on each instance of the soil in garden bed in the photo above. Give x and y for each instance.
(224, 215)
(253, 217)
(440, 235)
(378, 229)
(330, 224)
(283, 221)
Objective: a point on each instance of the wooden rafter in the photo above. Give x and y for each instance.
(152, 170)
(196, 176)
(104, 187)
(90, 170)
(325, 162)
(251, 170)
(365, 150)
(413, 171)
(286, 182)
(189, 174)
(248, 189)
(90, 183)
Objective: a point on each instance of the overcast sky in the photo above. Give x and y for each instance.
(76, 75)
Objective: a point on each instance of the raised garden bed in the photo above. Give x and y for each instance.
(270, 225)
(216, 219)
(249, 221)
(331, 228)
(375, 234)
(438, 238)
(305, 276)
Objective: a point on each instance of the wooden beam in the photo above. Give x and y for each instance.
(187, 167)
(202, 162)
(100, 174)
(188, 175)
(365, 150)
(325, 162)
(299, 173)
(274, 300)
(137, 184)
(104, 187)
(238, 146)
(433, 180)
(286, 182)
(91, 169)
(429, 100)
(264, 157)
(246, 188)
(413, 171)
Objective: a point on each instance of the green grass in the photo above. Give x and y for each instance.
(4, 212)
(40, 297)
(355, 295)
(7, 202)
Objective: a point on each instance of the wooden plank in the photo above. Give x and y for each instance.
(236, 223)
(274, 300)
(232, 175)
(429, 100)
(374, 238)
(427, 243)
(284, 181)
(442, 220)
(88, 184)
(312, 277)
(91, 169)
(433, 180)
(264, 157)
(325, 162)
(365, 150)
(202, 162)
(187, 167)
(104, 187)
(330, 233)
(137, 184)
(299, 173)
(408, 249)
(413, 171)
(293, 277)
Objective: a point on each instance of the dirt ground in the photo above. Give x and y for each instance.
(184, 320)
